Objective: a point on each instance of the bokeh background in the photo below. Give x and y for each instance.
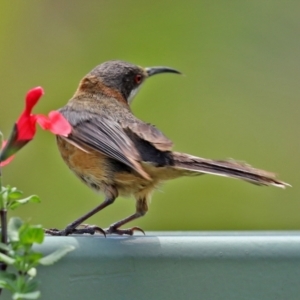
(239, 99)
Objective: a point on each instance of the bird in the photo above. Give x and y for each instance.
(113, 152)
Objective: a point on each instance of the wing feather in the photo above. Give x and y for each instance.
(104, 135)
(148, 133)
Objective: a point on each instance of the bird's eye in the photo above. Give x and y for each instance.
(138, 78)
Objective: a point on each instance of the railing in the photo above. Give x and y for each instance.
(175, 265)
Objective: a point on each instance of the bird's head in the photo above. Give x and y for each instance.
(122, 77)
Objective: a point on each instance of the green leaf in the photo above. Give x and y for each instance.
(3, 190)
(7, 280)
(4, 247)
(56, 255)
(32, 295)
(13, 205)
(30, 199)
(30, 234)
(31, 286)
(6, 285)
(7, 276)
(6, 259)
(15, 194)
(33, 258)
(4, 199)
(14, 224)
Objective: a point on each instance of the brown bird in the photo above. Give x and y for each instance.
(115, 153)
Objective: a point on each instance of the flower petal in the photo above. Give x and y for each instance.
(43, 121)
(26, 122)
(32, 97)
(26, 127)
(56, 123)
(60, 124)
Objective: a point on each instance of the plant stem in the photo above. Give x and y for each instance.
(1, 140)
(3, 210)
(3, 218)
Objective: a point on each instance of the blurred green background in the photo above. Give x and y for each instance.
(239, 99)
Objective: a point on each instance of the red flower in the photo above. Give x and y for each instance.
(25, 128)
(26, 122)
(55, 122)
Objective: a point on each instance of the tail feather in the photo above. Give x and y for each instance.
(227, 168)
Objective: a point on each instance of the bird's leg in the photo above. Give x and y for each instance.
(72, 227)
(114, 228)
(141, 209)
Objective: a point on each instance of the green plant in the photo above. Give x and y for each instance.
(20, 276)
(18, 260)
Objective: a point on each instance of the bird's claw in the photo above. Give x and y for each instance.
(87, 229)
(91, 229)
(55, 232)
(128, 231)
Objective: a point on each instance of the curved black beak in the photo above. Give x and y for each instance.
(156, 70)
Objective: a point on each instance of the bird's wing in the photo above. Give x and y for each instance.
(149, 133)
(105, 135)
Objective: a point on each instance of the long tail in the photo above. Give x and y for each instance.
(227, 168)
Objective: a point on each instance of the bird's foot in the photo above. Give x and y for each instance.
(127, 231)
(56, 232)
(88, 229)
